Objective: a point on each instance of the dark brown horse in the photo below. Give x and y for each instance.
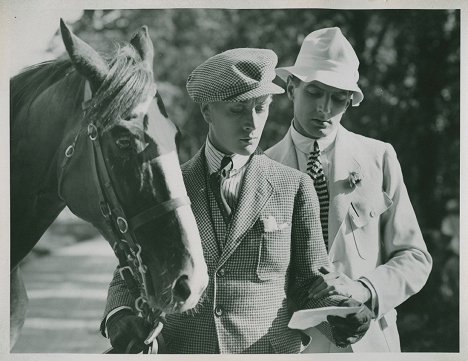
(93, 135)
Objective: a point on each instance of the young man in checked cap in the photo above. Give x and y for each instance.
(373, 237)
(258, 221)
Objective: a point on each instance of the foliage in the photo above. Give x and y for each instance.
(410, 68)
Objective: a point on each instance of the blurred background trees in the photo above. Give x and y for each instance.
(410, 76)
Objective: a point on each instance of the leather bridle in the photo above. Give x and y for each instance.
(125, 245)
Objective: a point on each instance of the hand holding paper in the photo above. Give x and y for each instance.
(304, 319)
(348, 323)
(351, 329)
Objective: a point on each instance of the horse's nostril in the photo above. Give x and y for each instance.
(181, 288)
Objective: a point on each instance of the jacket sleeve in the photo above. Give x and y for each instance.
(118, 296)
(308, 252)
(407, 261)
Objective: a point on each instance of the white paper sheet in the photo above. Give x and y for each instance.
(304, 319)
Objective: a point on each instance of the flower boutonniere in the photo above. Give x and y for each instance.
(354, 179)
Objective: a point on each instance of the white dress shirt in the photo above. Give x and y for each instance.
(305, 145)
(231, 185)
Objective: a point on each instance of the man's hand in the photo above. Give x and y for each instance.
(335, 283)
(350, 329)
(127, 332)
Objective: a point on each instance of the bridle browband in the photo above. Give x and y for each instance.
(125, 246)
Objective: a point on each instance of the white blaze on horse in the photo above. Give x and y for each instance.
(93, 135)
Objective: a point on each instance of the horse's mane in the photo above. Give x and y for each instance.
(127, 82)
(34, 80)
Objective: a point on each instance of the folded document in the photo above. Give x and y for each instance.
(305, 319)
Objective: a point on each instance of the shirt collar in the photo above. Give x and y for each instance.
(305, 144)
(214, 158)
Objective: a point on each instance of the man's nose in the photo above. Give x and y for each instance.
(250, 121)
(325, 105)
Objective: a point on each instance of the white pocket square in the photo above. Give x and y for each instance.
(270, 224)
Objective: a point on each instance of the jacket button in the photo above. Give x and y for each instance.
(218, 311)
(221, 272)
(372, 214)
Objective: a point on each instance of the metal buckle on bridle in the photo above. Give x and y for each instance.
(122, 224)
(121, 269)
(69, 151)
(139, 303)
(92, 131)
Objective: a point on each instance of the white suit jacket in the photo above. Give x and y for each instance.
(373, 231)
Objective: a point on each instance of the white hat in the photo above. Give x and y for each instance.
(328, 57)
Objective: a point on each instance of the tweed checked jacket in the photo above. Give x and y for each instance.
(260, 264)
(373, 231)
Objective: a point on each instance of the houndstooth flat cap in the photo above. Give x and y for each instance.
(234, 75)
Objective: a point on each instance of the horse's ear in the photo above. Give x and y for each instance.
(143, 44)
(85, 59)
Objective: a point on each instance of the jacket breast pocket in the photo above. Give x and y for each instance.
(364, 216)
(274, 254)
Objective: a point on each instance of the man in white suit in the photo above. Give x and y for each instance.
(374, 240)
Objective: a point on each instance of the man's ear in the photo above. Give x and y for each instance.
(205, 110)
(348, 102)
(290, 89)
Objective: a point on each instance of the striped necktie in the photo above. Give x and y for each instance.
(315, 171)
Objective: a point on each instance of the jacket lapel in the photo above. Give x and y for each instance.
(255, 192)
(195, 179)
(284, 151)
(343, 163)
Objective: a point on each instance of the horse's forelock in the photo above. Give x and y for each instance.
(128, 82)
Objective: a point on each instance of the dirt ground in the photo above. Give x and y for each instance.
(67, 291)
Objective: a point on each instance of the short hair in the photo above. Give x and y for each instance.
(293, 79)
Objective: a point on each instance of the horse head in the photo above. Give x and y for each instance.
(121, 172)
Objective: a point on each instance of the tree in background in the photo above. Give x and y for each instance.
(410, 76)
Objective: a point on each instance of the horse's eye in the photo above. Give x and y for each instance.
(124, 142)
(130, 117)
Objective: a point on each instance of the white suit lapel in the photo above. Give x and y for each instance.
(341, 193)
(284, 151)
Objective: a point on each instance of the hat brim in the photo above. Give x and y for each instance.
(263, 89)
(334, 79)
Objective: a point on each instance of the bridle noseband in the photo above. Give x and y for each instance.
(131, 267)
